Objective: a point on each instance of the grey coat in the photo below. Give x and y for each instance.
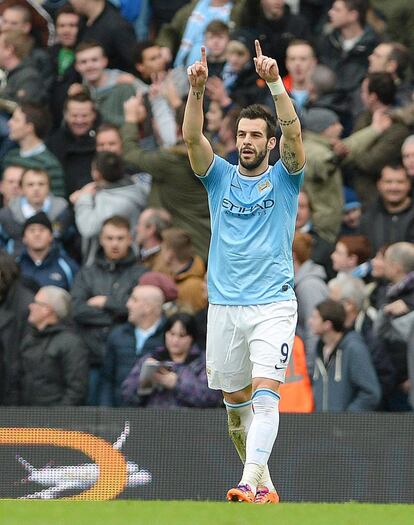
(311, 289)
(348, 382)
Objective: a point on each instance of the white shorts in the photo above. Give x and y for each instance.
(244, 342)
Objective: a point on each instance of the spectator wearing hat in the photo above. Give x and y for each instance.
(42, 261)
(351, 214)
(35, 197)
(239, 82)
(100, 292)
(54, 360)
(326, 153)
(142, 334)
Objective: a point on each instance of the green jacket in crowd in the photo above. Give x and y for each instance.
(174, 186)
(45, 161)
(323, 177)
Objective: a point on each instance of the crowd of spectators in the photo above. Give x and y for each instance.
(104, 229)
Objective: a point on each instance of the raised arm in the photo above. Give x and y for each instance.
(200, 151)
(291, 147)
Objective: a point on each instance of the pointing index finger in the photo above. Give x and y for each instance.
(203, 56)
(258, 48)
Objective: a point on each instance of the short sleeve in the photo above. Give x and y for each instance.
(217, 174)
(292, 180)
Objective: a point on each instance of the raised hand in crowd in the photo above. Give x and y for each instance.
(134, 109)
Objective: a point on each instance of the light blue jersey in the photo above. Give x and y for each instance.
(252, 224)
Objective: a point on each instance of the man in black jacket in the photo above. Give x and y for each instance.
(54, 360)
(104, 24)
(391, 217)
(347, 47)
(74, 143)
(100, 292)
(14, 301)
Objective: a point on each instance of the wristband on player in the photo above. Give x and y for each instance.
(276, 88)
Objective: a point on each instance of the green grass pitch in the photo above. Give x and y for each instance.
(199, 513)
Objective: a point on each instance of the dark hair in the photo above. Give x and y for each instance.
(361, 6)
(37, 170)
(81, 97)
(9, 272)
(89, 44)
(109, 165)
(401, 55)
(383, 85)
(118, 221)
(257, 111)
(107, 126)
(333, 311)
(217, 27)
(37, 115)
(358, 245)
(138, 52)
(232, 118)
(66, 9)
(395, 166)
(301, 42)
(187, 320)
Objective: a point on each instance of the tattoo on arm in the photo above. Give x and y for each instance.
(197, 94)
(287, 122)
(289, 159)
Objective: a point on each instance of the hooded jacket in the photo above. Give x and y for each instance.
(127, 197)
(54, 367)
(190, 284)
(114, 279)
(347, 382)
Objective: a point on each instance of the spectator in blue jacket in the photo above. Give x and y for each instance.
(42, 261)
(344, 378)
(179, 378)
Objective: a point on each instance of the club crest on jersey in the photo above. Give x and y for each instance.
(264, 185)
